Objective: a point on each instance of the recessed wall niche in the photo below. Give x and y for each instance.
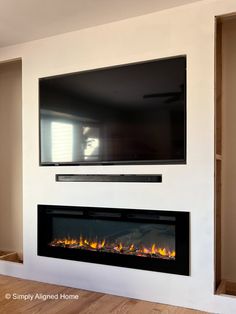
(11, 234)
(225, 161)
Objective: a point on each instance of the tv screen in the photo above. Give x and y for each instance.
(129, 114)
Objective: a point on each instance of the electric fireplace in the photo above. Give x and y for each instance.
(142, 239)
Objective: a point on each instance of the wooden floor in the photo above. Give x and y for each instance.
(12, 289)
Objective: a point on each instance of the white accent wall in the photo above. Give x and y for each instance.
(186, 30)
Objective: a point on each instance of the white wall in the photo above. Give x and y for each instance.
(11, 233)
(184, 30)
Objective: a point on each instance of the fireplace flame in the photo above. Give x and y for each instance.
(93, 245)
(162, 252)
(132, 248)
(101, 245)
(81, 241)
(172, 254)
(153, 251)
(121, 248)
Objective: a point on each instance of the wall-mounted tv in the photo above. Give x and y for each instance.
(128, 114)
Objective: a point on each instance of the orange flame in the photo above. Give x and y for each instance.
(172, 254)
(70, 241)
(131, 248)
(162, 252)
(81, 242)
(153, 251)
(101, 245)
(93, 245)
(119, 247)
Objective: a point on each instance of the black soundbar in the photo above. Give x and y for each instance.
(148, 178)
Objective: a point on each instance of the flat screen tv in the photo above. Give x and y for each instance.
(128, 114)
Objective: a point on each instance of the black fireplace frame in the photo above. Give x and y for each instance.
(180, 219)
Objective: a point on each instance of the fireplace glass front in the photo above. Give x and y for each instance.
(142, 239)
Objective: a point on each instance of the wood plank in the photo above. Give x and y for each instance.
(218, 215)
(230, 288)
(218, 87)
(10, 257)
(218, 149)
(88, 302)
(227, 288)
(221, 287)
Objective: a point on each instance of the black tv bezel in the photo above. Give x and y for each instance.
(118, 162)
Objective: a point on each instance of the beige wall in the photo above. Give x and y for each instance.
(229, 151)
(10, 157)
